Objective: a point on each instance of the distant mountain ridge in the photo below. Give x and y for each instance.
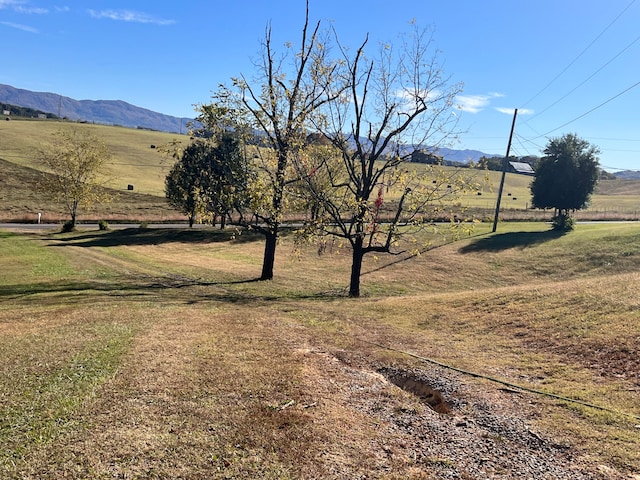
(117, 112)
(462, 156)
(110, 112)
(628, 175)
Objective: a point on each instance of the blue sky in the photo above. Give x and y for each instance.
(567, 65)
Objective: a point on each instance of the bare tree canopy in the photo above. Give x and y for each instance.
(397, 102)
(335, 129)
(277, 101)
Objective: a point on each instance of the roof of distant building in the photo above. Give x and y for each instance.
(521, 167)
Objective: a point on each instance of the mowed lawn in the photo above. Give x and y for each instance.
(149, 353)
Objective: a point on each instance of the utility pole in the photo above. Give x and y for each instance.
(504, 172)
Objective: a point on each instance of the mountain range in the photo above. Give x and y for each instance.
(109, 112)
(117, 112)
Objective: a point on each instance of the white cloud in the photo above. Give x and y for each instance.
(21, 6)
(10, 3)
(36, 10)
(473, 103)
(509, 111)
(129, 16)
(24, 28)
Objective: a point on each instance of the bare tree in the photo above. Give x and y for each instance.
(395, 104)
(284, 92)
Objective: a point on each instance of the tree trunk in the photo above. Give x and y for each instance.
(271, 239)
(356, 268)
(269, 256)
(74, 214)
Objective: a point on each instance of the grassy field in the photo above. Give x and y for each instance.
(135, 163)
(155, 354)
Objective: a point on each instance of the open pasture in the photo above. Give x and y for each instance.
(135, 163)
(155, 354)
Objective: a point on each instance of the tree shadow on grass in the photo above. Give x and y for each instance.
(156, 236)
(145, 288)
(142, 289)
(506, 241)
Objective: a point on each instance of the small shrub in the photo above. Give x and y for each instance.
(563, 223)
(103, 225)
(68, 226)
(144, 225)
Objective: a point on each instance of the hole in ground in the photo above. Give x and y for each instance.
(412, 383)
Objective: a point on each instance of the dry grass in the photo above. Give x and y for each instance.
(135, 163)
(152, 354)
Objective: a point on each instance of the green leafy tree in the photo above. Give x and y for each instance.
(565, 178)
(76, 159)
(226, 178)
(209, 179)
(184, 182)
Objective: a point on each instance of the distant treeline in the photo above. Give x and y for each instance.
(26, 112)
(488, 163)
(495, 163)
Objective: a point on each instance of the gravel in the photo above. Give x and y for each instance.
(486, 434)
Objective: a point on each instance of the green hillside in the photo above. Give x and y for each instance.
(134, 163)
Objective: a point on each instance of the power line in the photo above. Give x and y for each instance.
(616, 139)
(580, 54)
(614, 168)
(517, 152)
(590, 111)
(622, 150)
(585, 80)
(522, 140)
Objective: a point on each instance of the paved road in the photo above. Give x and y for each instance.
(35, 227)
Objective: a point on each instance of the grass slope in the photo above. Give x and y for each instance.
(135, 163)
(21, 200)
(154, 354)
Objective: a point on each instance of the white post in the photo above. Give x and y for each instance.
(39, 217)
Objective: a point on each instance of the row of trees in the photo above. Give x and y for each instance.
(253, 154)
(497, 163)
(369, 114)
(215, 176)
(364, 110)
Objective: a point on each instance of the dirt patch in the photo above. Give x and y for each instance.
(413, 383)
